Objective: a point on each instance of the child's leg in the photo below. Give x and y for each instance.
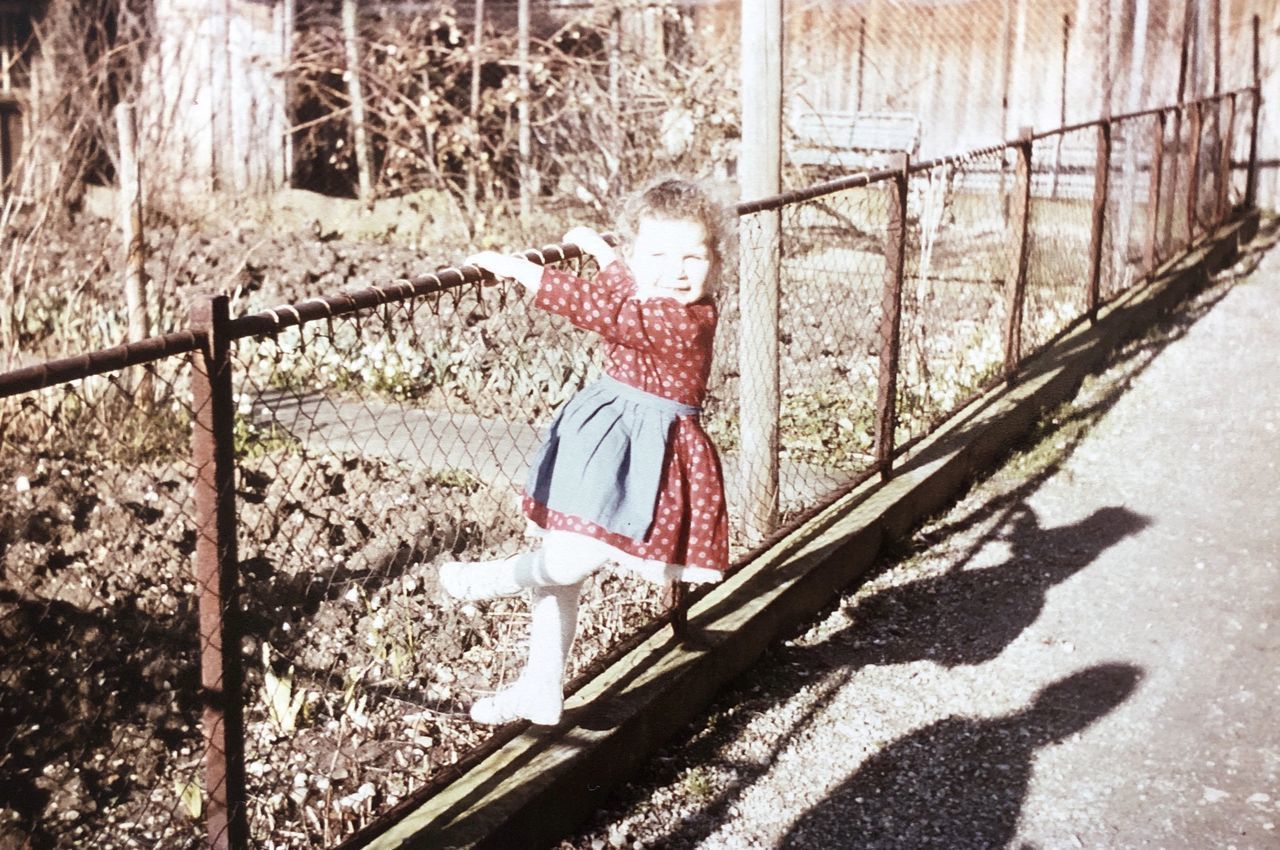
(490, 579)
(556, 579)
(565, 558)
(538, 695)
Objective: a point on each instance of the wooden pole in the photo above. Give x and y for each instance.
(862, 58)
(1101, 171)
(1215, 24)
(233, 169)
(216, 566)
(355, 92)
(525, 131)
(1062, 105)
(473, 113)
(1016, 293)
(615, 59)
(1006, 63)
(133, 247)
(760, 269)
(130, 214)
(289, 16)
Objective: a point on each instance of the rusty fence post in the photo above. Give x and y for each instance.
(891, 318)
(213, 455)
(1175, 154)
(1017, 286)
(1151, 252)
(1101, 174)
(1251, 180)
(1193, 171)
(1226, 140)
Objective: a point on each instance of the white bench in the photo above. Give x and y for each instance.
(852, 140)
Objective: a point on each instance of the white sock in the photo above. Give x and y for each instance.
(538, 695)
(489, 579)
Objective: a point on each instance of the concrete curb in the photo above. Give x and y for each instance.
(539, 785)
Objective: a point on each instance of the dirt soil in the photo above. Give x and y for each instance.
(1082, 653)
(359, 673)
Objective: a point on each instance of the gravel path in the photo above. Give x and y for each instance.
(1083, 652)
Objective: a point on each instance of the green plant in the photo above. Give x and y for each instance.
(284, 704)
(190, 796)
(699, 784)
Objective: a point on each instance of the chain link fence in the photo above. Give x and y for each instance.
(218, 594)
(99, 685)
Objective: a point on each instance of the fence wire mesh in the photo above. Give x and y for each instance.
(370, 448)
(1060, 233)
(832, 278)
(960, 257)
(371, 445)
(99, 710)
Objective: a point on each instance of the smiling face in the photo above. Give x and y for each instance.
(670, 258)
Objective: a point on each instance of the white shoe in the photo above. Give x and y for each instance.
(518, 701)
(476, 580)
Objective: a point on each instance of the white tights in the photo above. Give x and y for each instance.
(554, 573)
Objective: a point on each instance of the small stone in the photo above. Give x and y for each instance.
(1213, 795)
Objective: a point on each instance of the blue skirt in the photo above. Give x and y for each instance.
(603, 456)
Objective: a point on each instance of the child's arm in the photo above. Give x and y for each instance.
(606, 305)
(528, 273)
(593, 243)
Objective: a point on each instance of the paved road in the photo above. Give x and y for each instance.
(1083, 653)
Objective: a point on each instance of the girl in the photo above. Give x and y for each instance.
(626, 473)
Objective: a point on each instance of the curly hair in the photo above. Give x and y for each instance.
(677, 199)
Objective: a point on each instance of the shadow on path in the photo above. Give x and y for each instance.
(968, 616)
(960, 782)
(965, 616)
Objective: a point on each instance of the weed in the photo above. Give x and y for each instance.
(699, 784)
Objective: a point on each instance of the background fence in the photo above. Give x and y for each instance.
(240, 639)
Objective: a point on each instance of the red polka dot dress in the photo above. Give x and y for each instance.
(663, 348)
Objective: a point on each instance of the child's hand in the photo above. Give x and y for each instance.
(592, 243)
(528, 273)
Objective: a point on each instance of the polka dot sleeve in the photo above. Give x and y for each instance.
(605, 305)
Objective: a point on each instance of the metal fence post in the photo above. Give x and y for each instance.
(891, 318)
(216, 566)
(1101, 174)
(1251, 181)
(1017, 287)
(1175, 155)
(1151, 253)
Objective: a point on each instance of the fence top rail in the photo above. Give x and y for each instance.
(77, 367)
(275, 319)
(1143, 113)
(267, 322)
(866, 178)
